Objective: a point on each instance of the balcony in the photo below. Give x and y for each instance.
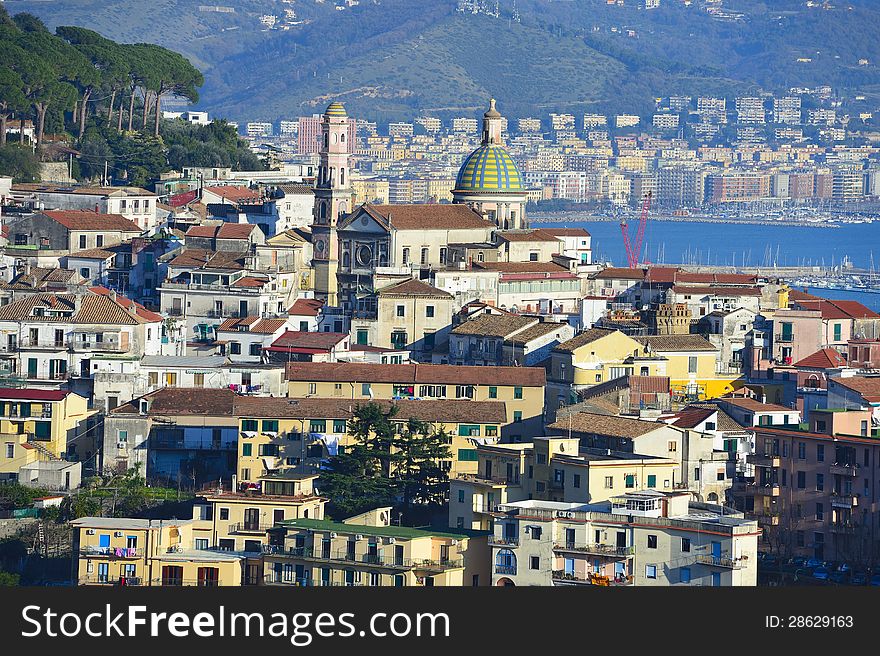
(843, 528)
(845, 469)
(249, 527)
(569, 578)
(766, 519)
(760, 460)
(783, 337)
(503, 541)
(104, 347)
(113, 552)
(101, 580)
(607, 550)
(43, 344)
(845, 500)
(376, 559)
(505, 569)
(723, 562)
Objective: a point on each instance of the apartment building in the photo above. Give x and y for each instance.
(111, 551)
(508, 339)
(521, 389)
(46, 436)
(645, 538)
(282, 435)
(551, 469)
(367, 550)
(135, 204)
(815, 491)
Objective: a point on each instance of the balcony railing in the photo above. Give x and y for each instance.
(51, 344)
(503, 541)
(844, 500)
(175, 582)
(106, 580)
(843, 528)
(720, 561)
(249, 527)
(569, 577)
(761, 460)
(844, 469)
(109, 346)
(113, 552)
(595, 549)
(782, 337)
(200, 445)
(378, 559)
(505, 569)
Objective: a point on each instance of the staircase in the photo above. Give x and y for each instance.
(42, 450)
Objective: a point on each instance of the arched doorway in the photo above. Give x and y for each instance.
(505, 583)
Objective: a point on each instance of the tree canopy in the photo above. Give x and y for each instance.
(105, 99)
(391, 463)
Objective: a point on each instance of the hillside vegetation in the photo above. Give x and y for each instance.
(392, 58)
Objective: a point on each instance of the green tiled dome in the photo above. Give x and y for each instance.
(489, 168)
(335, 109)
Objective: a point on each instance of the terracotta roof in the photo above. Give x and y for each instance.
(250, 281)
(233, 193)
(869, 388)
(526, 236)
(86, 220)
(826, 358)
(294, 339)
(93, 254)
(798, 295)
(413, 287)
(94, 308)
(200, 258)
(361, 372)
(619, 273)
(127, 303)
(724, 422)
(427, 216)
(596, 424)
(225, 231)
(831, 309)
(567, 232)
(662, 343)
(753, 405)
(306, 307)
(24, 394)
(254, 325)
(582, 339)
(716, 291)
(691, 417)
(39, 278)
(536, 331)
(494, 325)
(226, 403)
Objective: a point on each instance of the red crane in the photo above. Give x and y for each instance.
(634, 247)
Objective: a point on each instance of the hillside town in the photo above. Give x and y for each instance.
(281, 347)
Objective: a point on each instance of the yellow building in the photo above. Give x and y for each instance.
(550, 469)
(42, 426)
(118, 551)
(520, 389)
(690, 362)
(366, 550)
(279, 436)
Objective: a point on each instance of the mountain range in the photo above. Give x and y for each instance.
(395, 59)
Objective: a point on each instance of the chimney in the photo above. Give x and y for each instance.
(96, 208)
(112, 294)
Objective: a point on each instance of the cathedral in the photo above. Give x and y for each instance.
(489, 180)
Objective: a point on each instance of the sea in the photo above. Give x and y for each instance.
(744, 246)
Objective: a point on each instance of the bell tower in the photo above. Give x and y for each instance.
(332, 200)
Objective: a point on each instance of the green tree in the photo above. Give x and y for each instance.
(20, 163)
(422, 480)
(9, 580)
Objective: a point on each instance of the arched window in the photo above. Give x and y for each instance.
(713, 497)
(480, 256)
(505, 562)
(424, 259)
(342, 137)
(323, 210)
(406, 256)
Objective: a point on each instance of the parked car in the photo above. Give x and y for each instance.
(821, 573)
(797, 562)
(858, 578)
(844, 567)
(875, 580)
(837, 577)
(814, 562)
